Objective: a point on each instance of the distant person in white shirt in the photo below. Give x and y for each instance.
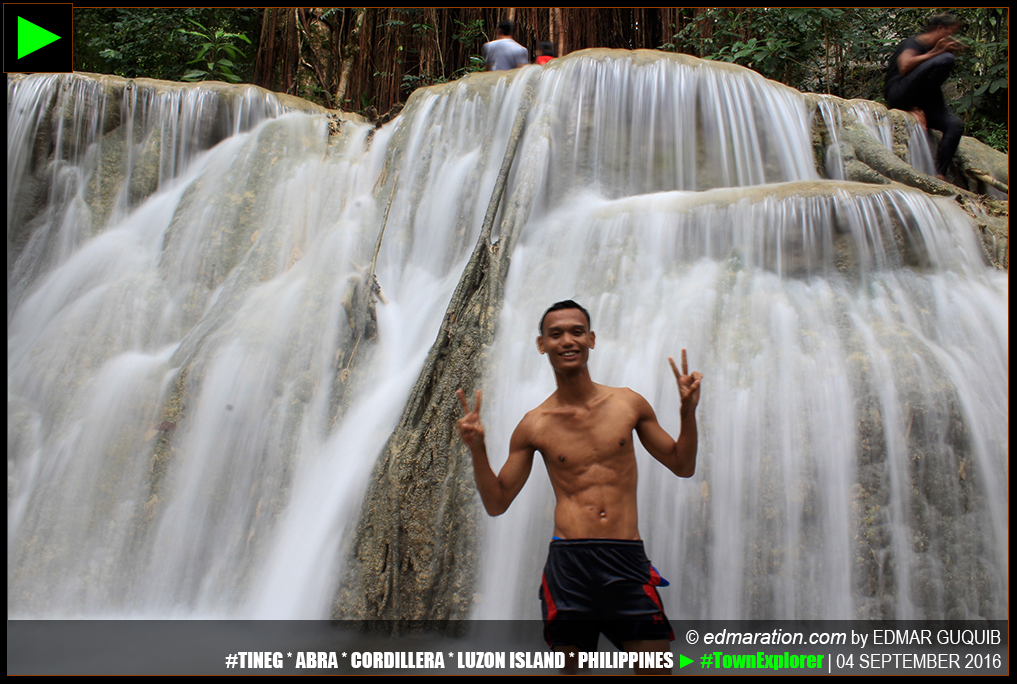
(503, 53)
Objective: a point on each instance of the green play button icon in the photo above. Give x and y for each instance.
(683, 661)
(38, 37)
(32, 37)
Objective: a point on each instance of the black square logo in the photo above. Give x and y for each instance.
(37, 38)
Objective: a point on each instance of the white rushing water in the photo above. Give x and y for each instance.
(853, 427)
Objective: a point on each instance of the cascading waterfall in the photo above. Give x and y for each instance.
(179, 285)
(875, 119)
(848, 389)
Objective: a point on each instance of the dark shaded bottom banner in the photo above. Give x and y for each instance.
(119, 647)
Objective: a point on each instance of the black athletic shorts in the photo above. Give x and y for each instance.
(600, 585)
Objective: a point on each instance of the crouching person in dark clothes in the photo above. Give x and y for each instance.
(914, 80)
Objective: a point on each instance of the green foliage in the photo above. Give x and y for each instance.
(470, 33)
(812, 49)
(411, 81)
(143, 42)
(772, 56)
(982, 76)
(216, 53)
(992, 133)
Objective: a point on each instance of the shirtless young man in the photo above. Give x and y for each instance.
(597, 576)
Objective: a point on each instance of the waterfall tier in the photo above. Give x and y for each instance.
(202, 372)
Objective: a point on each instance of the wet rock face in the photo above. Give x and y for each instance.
(921, 548)
(415, 552)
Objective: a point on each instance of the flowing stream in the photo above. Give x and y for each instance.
(181, 262)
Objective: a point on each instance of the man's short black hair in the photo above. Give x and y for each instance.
(559, 306)
(505, 27)
(942, 19)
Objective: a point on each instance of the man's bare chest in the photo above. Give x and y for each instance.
(584, 437)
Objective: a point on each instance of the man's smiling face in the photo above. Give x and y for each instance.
(566, 339)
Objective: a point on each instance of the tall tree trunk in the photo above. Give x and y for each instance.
(264, 61)
(557, 36)
(349, 54)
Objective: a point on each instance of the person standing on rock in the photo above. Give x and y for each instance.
(504, 53)
(597, 578)
(545, 53)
